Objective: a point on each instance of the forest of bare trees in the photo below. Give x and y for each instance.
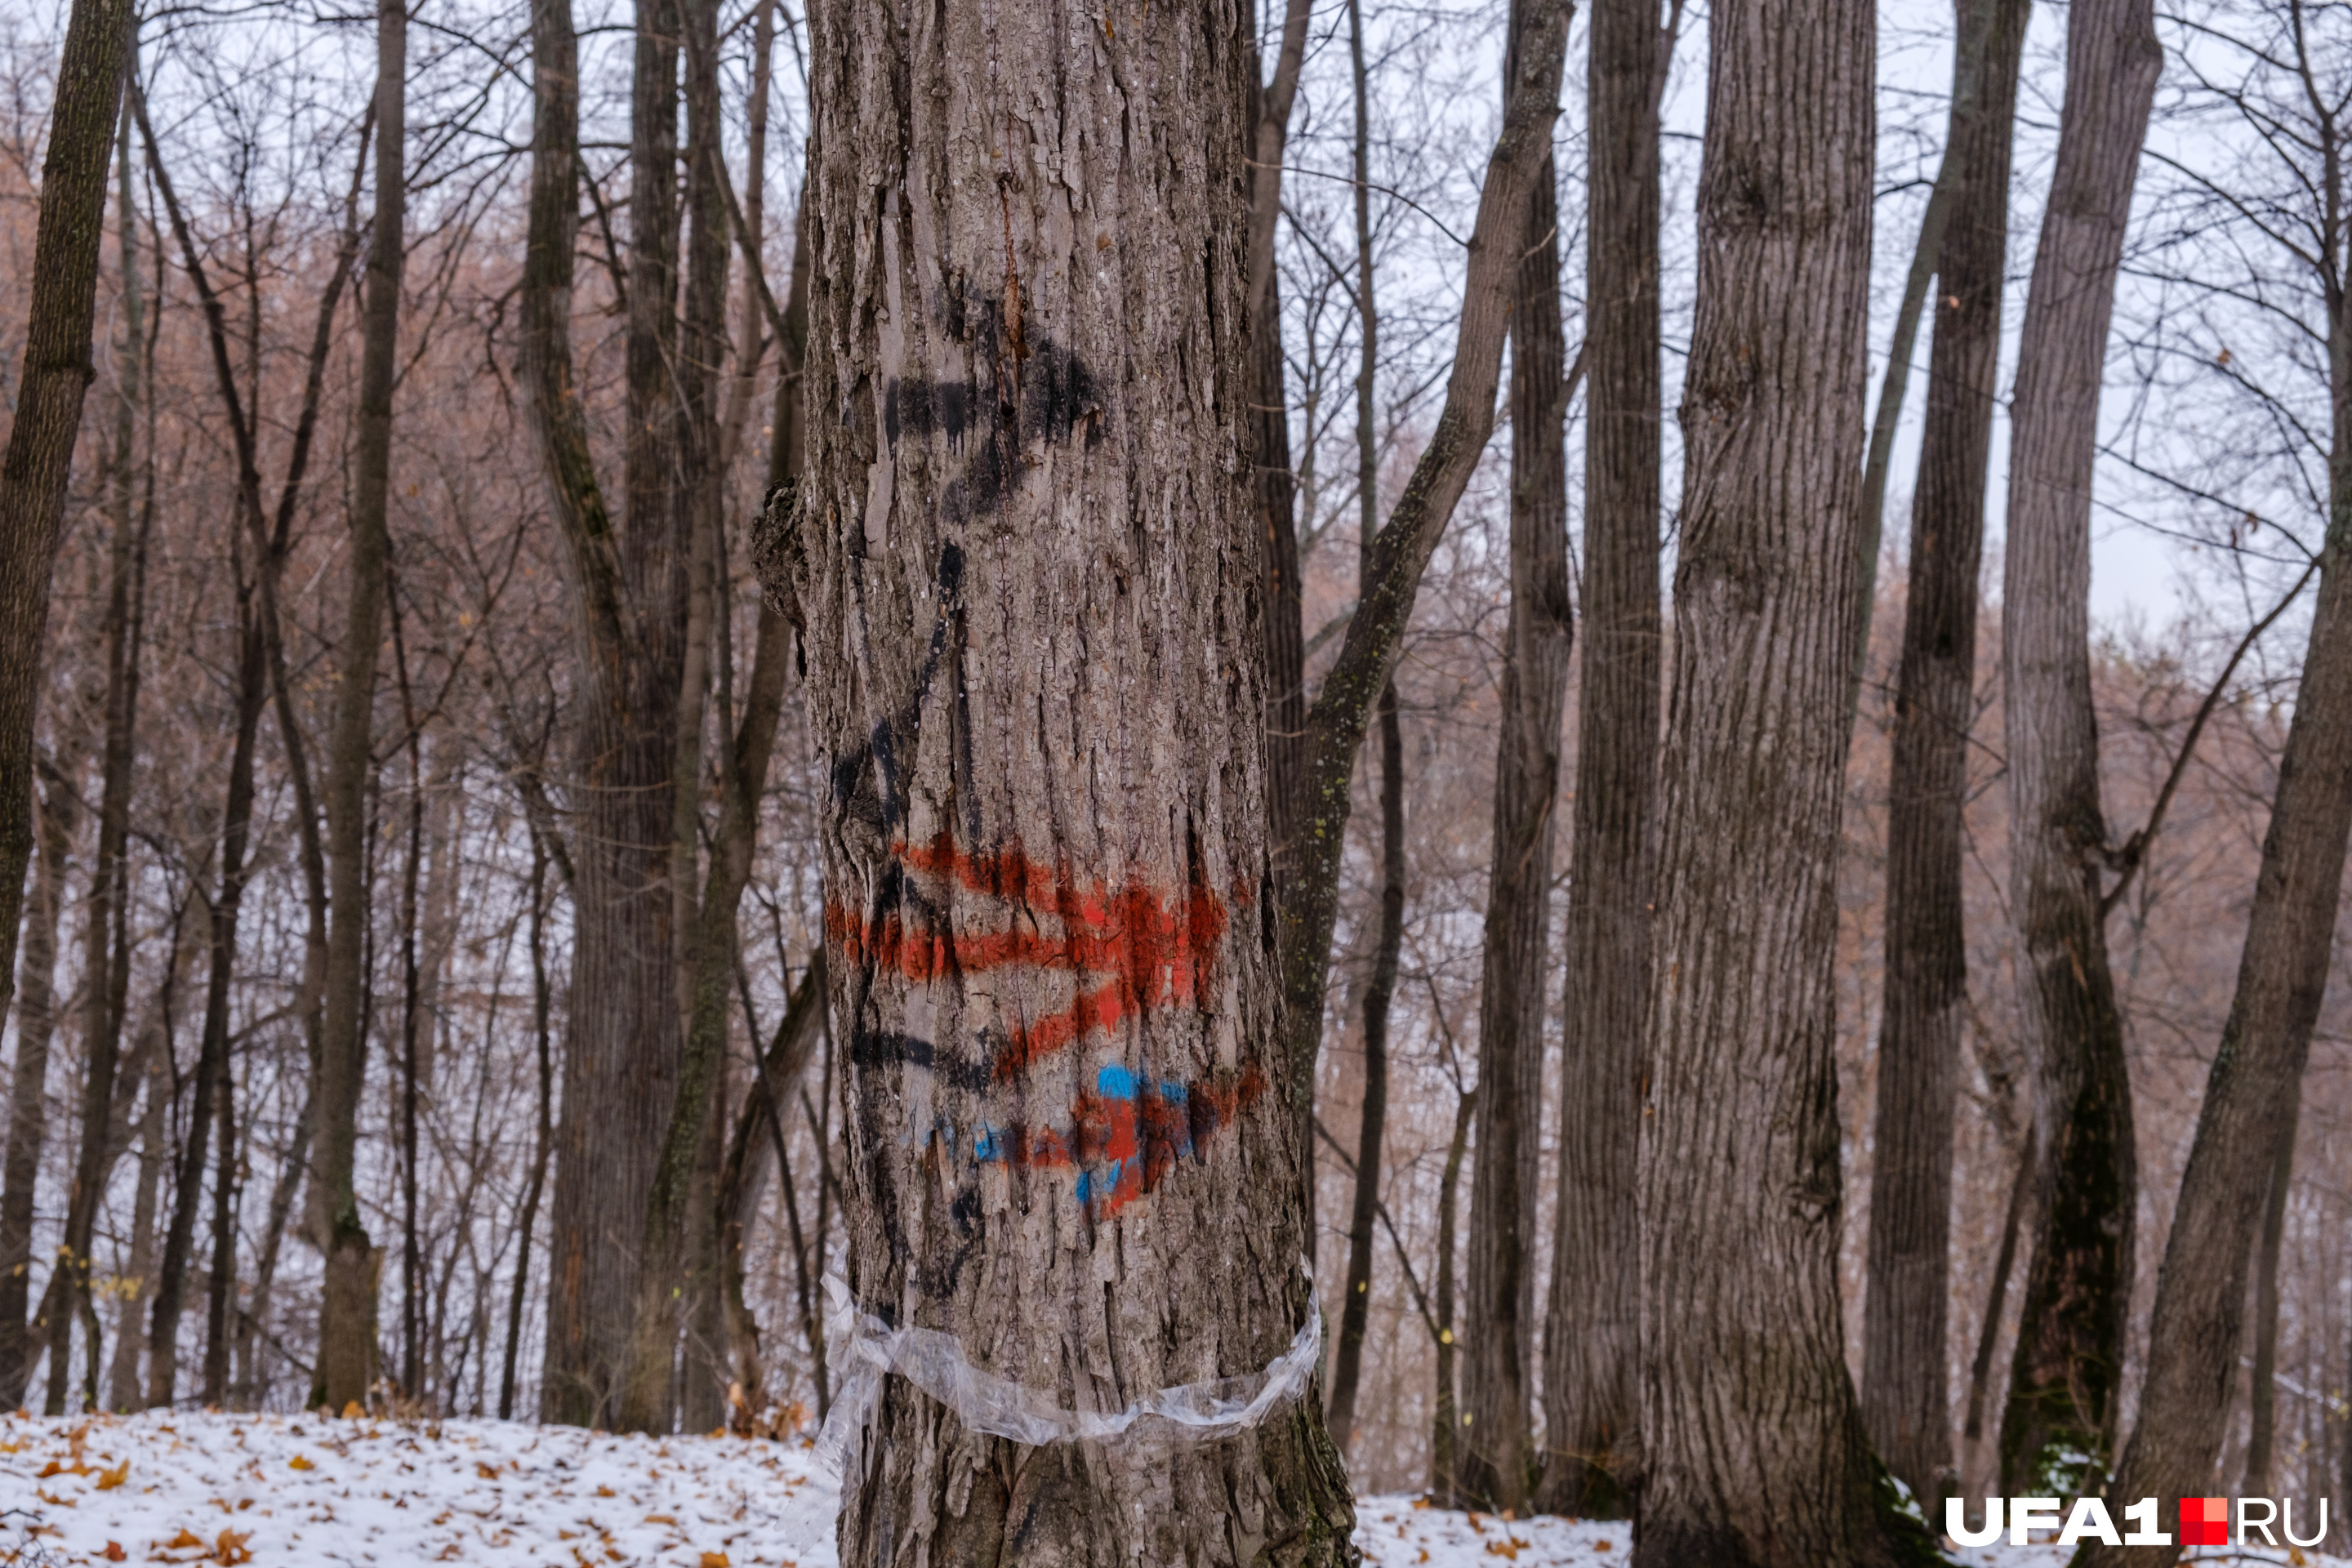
(1603, 749)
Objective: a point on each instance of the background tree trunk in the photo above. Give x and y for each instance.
(1031, 585)
(2065, 1378)
(1346, 1362)
(46, 408)
(347, 1317)
(1905, 1403)
(1499, 1461)
(1593, 1317)
(1445, 1435)
(620, 1063)
(2262, 1414)
(1276, 490)
(36, 1022)
(1753, 1447)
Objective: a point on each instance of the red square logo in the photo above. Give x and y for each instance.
(2204, 1522)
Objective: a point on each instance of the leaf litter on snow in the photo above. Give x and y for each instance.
(203, 1487)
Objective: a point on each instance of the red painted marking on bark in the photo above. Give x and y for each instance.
(1154, 950)
(1124, 1140)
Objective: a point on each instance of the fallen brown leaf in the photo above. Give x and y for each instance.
(231, 1548)
(114, 1552)
(109, 1480)
(714, 1560)
(301, 1462)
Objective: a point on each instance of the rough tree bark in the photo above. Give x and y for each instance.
(1026, 557)
(1499, 1462)
(1753, 1449)
(1592, 1322)
(1390, 577)
(47, 420)
(621, 1062)
(1905, 1402)
(347, 1315)
(2057, 1428)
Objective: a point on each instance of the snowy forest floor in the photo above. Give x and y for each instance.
(196, 1488)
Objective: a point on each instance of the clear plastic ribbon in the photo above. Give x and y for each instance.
(866, 1349)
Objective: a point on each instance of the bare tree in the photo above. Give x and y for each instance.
(2289, 81)
(347, 1315)
(1355, 1310)
(1905, 1375)
(1591, 1323)
(1499, 1467)
(1753, 1449)
(2058, 1427)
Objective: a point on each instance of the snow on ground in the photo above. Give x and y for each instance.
(193, 1488)
(271, 1490)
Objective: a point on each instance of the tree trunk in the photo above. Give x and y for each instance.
(1390, 577)
(1499, 1461)
(1346, 1364)
(37, 1020)
(1592, 1324)
(1355, 1311)
(47, 402)
(2058, 1428)
(123, 1376)
(411, 1263)
(1752, 1439)
(1907, 1375)
(228, 1196)
(1276, 490)
(347, 1315)
(1032, 591)
(682, 1271)
(544, 1137)
(2264, 1411)
(2246, 1124)
(620, 1064)
(1444, 1439)
(744, 779)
